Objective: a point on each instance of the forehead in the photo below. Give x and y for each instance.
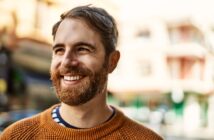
(72, 30)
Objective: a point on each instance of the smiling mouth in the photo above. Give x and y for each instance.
(72, 78)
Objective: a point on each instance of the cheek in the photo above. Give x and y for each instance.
(97, 65)
(55, 63)
(54, 72)
(52, 65)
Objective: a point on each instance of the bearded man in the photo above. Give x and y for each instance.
(84, 53)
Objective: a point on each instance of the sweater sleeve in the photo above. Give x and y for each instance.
(22, 129)
(6, 135)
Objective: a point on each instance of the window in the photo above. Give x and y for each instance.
(185, 33)
(144, 36)
(186, 68)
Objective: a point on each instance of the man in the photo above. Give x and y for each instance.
(83, 55)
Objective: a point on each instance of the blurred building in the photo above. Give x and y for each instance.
(163, 56)
(162, 53)
(167, 66)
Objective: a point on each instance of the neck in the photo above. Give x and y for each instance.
(90, 114)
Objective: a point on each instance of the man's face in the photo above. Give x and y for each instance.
(78, 68)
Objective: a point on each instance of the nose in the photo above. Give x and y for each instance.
(70, 60)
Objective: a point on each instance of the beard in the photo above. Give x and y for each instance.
(91, 85)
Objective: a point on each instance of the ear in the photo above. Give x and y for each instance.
(113, 60)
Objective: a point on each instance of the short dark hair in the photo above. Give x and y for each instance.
(97, 18)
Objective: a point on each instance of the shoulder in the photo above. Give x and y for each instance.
(141, 131)
(135, 130)
(28, 127)
(20, 128)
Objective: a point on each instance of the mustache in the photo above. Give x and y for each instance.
(57, 73)
(75, 71)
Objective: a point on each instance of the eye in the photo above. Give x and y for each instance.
(59, 51)
(84, 50)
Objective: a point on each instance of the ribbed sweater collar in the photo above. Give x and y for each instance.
(96, 132)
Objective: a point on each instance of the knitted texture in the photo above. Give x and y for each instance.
(42, 127)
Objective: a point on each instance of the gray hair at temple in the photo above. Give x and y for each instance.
(98, 19)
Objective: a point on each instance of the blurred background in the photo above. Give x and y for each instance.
(165, 78)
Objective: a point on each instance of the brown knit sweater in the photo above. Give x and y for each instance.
(43, 127)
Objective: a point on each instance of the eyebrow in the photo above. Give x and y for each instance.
(76, 44)
(85, 44)
(58, 45)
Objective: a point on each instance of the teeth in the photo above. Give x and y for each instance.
(72, 78)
